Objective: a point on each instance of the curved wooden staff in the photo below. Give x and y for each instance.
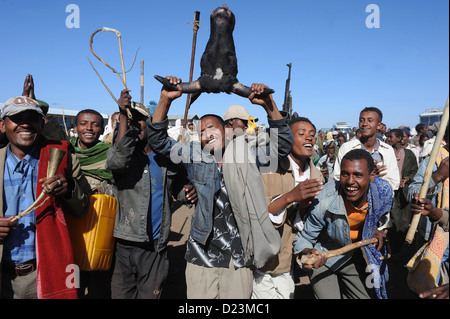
(56, 156)
(311, 259)
(123, 78)
(428, 172)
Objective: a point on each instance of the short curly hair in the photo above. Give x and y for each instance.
(359, 154)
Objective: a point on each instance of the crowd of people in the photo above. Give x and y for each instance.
(268, 203)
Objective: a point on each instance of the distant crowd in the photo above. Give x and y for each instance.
(270, 205)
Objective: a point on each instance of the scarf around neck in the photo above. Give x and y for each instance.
(380, 203)
(93, 159)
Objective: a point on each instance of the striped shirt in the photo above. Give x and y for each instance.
(19, 192)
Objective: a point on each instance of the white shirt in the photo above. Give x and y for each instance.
(389, 159)
(278, 217)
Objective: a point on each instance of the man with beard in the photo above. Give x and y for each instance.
(223, 243)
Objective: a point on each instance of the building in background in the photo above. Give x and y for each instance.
(431, 116)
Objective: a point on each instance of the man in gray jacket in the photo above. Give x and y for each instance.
(144, 184)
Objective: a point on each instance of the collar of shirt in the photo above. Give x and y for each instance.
(306, 174)
(21, 166)
(376, 155)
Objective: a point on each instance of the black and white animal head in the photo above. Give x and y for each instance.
(223, 17)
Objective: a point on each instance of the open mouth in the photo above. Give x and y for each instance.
(351, 191)
(88, 135)
(308, 147)
(25, 134)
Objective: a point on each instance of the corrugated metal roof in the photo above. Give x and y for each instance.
(68, 112)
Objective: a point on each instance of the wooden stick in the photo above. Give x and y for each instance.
(121, 59)
(64, 121)
(194, 44)
(95, 54)
(311, 259)
(124, 78)
(428, 173)
(142, 82)
(112, 95)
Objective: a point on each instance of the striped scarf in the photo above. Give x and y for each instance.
(93, 159)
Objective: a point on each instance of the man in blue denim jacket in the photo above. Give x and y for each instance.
(203, 162)
(144, 184)
(347, 211)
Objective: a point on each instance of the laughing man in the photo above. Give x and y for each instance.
(347, 211)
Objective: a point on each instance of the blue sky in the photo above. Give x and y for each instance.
(339, 64)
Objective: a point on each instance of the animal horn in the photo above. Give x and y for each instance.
(55, 158)
(187, 87)
(245, 91)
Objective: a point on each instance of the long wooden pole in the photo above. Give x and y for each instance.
(121, 59)
(428, 172)
(191, 73)
(142, 82)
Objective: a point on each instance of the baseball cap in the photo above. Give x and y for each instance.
(138, 107)
(407, 131)
(19, 104)
(236, 112)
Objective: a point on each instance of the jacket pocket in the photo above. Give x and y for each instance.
(198, 175)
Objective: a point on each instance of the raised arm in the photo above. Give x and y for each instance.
(281, 141)
(158, 139)
(166, 99)
(267, 102)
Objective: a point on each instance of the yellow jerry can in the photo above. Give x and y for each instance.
(92, 235)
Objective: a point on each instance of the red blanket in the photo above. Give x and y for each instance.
(54, 253)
